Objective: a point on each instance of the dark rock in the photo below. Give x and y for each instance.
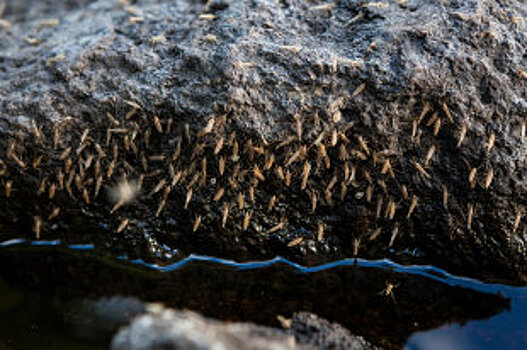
(365, 83)
(311, 329)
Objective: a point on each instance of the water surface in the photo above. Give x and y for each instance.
(72, 297)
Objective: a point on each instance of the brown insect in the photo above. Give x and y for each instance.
(356, 246)
(472, 177)
(225, 215)
(295, 242)
(429, 154)
(8, 188)
(197, 223)
(305, 175)
(336, 116)
(219, 145)
(298, 127)
(52, 190)
(112, 119)
(421, 170)
(219, 193)
(246, 221)
(426, 108)
(369, 193)
(54, 213)
(488, 178)
(258, 174)
(462, 134)
(413, 204)
(388, 291)
(390, 209)
(208, 128)
(241, 200)
(111, 168)
(437, 126)
(470, 215)
(37, 226)
(490, 143)
(358, 90)
(294, 157)
(251, 194)
(86, 196)
(37, 161)
(188, 198)
(271, 203)
(379, 207)
(334, 138)
(375, 234)
(404, 192)
(221, 165)
(269, 161)
(313, 202)
(158, 39)
(275, 228)
(320, 231)
(517, 220)
(18, 161)
(445, 197)
(363, 145)
(123, 225)
(447, 112)
(287, 178)
(343, 191)
(395, 232)
(42, 187)
(322, 7)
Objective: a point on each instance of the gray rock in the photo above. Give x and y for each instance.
(383, 104)
(321, 334)
(163, 328)
(169, 329)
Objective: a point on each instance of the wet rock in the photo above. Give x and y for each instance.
(311, 329)
(314, 131)
(169, 329)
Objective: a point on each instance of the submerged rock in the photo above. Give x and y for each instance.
(169, 329)
(250, 129)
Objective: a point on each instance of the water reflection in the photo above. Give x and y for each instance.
(507, 330)
(79, 286)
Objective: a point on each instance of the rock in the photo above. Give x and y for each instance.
(250, 129)
(169, 329)
(311, 329)
(163, 328)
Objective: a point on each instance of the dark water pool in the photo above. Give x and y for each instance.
(58, 297)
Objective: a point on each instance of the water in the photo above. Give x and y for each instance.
(57, 297)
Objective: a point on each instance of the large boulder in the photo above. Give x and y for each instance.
(247, 129)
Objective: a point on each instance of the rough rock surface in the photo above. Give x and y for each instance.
(253, 128)
(169, 329)
(321, 334)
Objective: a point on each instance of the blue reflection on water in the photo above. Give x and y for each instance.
(507, 330)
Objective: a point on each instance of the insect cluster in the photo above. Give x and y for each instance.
(211, 176)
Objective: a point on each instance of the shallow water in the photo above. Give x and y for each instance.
(58, 297)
